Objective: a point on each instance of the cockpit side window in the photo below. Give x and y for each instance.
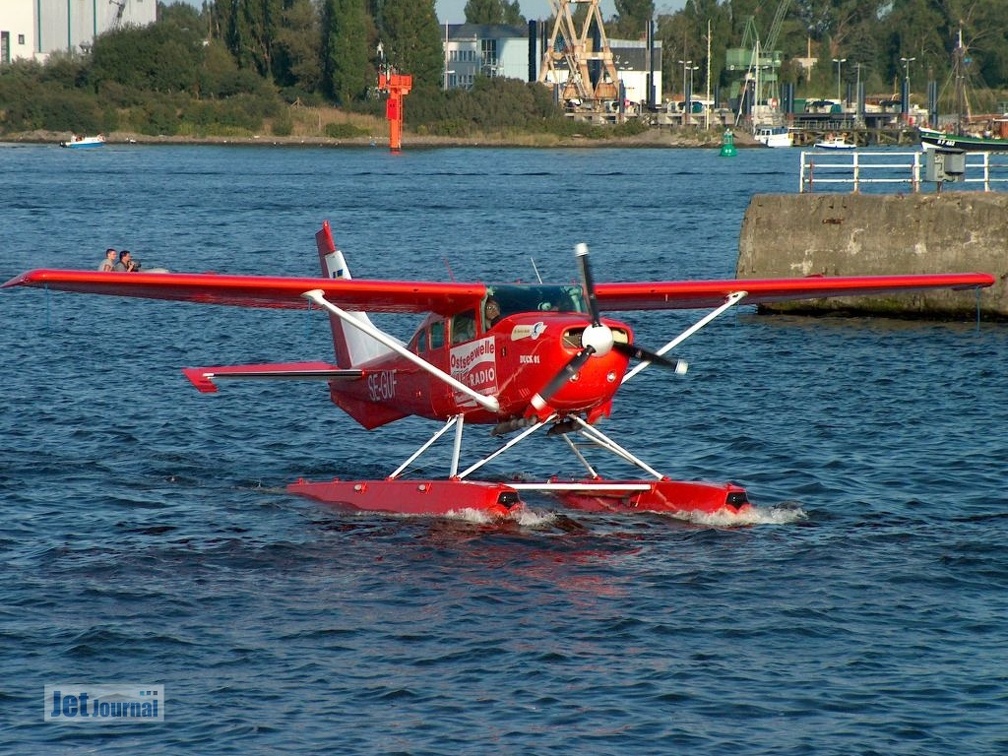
(437, 334)
(419, 344)
(463, 327)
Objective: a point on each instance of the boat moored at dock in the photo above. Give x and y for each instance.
(932, 139)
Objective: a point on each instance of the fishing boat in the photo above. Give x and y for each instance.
(834, 143)
(932, 139)
(79, 142)
(969, 133)
(773, 136)
(764, 119)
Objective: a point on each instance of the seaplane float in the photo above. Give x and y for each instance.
(520, 358)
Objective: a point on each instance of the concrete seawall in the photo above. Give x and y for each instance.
(792, 235)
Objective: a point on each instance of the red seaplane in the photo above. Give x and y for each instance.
(518, 357)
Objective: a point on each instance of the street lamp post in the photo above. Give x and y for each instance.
(839, 62)
(857, 91)
(685, 67)
(906, 70)
(689, 99)
(905, 96)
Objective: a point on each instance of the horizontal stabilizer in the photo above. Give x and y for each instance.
(203, 377)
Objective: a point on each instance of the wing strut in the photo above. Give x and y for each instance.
(730, 301)
(599, 438)
(430, 442)
(521, 436)
(318, 297)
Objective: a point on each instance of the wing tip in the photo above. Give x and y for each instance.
(22, 279)
(201, 379)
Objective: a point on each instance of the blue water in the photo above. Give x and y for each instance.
(146, 536)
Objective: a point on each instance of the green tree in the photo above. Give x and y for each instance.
(249, 29)
(494, 12)
(220, 76)
(346, 72)
(697, 14)
(412, 40)
(297, 62)
(162, 57)
(513, 15)
(991, 39)
(632, 18)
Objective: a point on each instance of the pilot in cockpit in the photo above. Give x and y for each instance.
(491, 312)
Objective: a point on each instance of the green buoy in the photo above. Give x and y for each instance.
(728, 144)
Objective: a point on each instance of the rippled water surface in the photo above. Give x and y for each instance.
(146, 535)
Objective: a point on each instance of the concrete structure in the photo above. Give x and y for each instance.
(797, 235)
(36, 28)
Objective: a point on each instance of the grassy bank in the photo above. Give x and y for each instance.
(334, 127)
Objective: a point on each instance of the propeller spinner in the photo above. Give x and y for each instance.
(596, 340)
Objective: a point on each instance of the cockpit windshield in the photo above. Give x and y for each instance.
(514, 298)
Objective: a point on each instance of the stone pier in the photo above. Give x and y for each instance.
(791, 235)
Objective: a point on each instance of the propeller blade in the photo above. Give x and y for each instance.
(581, 253)
(540, 400)
(635, 352)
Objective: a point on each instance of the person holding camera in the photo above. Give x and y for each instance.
(126, 262)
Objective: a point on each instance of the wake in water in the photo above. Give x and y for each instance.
(784, 513)
(522, 516)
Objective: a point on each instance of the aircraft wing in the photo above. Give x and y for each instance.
(263, 291)
(676, 295)
(450, 298)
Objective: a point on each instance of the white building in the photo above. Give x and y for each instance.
(36, 28)
(473, 50)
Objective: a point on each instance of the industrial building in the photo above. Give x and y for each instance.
(33, 29)
(496, 50)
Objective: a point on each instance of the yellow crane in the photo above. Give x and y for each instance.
(578, 49)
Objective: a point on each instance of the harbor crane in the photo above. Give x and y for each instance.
(578, 50)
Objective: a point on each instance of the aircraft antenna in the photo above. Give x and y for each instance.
(447, 265)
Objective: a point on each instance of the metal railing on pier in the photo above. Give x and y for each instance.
(873, 171)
